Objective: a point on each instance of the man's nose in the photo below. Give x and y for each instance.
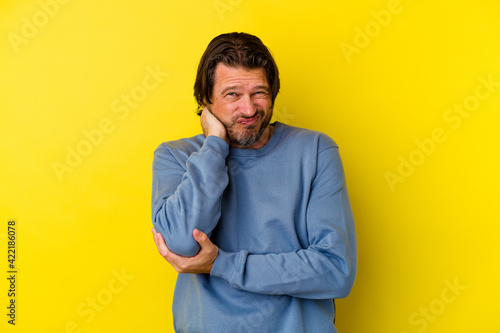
(247, 106)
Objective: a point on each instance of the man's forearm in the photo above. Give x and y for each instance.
(306, 273)
(190, 199)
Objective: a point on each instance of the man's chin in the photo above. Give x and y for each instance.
(245, 141)
(248, 135)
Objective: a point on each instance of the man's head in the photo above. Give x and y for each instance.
(237, 81)
(234, 50)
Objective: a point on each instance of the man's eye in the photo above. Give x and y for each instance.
(260, 93)
(231, 94)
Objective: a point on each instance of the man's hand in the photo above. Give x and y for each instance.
(200, 263)
(212, 126)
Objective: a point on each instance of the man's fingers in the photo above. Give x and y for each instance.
(160, 243)
(162, 246)
(200, 237)
(155, 237)
(211, 125)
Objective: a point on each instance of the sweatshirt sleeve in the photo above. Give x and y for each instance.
(188, 196)
(326, 268)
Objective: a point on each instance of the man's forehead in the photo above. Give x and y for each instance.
(239, 76)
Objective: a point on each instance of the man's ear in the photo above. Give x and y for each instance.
(206, 105)
(202, 106)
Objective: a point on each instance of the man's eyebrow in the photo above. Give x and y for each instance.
(236, 87)
(263, 87)
(225, 90)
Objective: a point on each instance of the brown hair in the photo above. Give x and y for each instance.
(236, 49)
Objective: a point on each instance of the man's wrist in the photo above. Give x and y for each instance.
(212, 263)
(222, 136)
(216, 144)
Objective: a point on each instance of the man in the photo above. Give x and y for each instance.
(254, 216)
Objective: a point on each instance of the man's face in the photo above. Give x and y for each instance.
(241, 100)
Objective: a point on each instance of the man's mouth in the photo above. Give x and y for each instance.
(248, 121)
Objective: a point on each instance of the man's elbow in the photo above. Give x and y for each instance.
(185, 248)
(183, 245)
(346, 287)
(345, 283)
(340, 277)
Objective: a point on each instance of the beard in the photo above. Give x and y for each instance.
(248, 135)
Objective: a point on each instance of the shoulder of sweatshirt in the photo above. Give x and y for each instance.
(181, 147)
(308, 136)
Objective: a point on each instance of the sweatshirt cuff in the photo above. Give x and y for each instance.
(228, 264)
(216, 144)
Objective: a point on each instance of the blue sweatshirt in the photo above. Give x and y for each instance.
(281, 218)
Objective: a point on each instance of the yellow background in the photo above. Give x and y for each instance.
(403, 74)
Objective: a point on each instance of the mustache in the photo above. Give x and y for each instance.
(259, 113)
